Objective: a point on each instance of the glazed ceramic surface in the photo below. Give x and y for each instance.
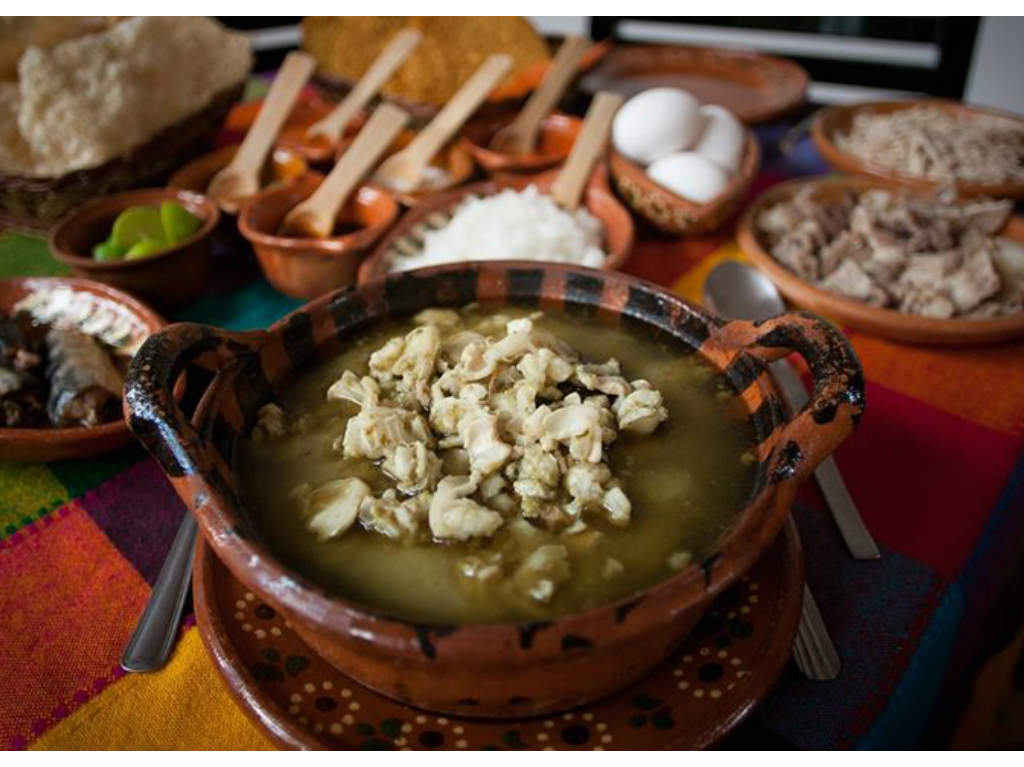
(677, 215)
(836, 120)
(557, 134)
(167, 279)
(285, 165)
(887, 323)
(407, 235)
(507, 669)
(63, 444)
(306, 267)
(710, 684)
(752, 86)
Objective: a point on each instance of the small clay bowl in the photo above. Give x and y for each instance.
(319, 152)
(558, 133)
(46, 444)
(454, 158)
(167, 279)
(283, 166)
(674, 214)
(598, 199)
(837, 120)
(306, 267)
(885, 323)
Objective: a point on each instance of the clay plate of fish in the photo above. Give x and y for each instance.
(892, 262)
(65, 344)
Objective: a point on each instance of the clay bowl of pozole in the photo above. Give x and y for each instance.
(494, 489)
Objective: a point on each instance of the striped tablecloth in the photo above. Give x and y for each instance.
(936, 469)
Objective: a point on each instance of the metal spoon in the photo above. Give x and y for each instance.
(736, 291)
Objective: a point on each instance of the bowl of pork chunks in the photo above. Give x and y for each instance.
(916, 267)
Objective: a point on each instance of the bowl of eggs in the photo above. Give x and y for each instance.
(682, 166)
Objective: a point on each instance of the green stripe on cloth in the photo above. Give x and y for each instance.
(253, 306)
(27, 491)
(82, 475)
(25, 256)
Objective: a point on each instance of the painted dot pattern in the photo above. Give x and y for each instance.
(338, 713)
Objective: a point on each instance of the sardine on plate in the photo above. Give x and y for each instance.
(85, 387)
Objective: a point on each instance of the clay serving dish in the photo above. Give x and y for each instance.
(455, 159)
(558, 133)
(407, 235)
(167, 279)
(283, 166)
(305, 267)
(90, 297)
(499, 669)
(837, 120)
(754, 87)
(674, 214)
(887, 323)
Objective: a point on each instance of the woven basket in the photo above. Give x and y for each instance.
(34, 204)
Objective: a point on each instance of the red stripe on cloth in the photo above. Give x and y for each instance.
(69, 602)
(924, 480)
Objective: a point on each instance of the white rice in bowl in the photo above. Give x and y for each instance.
(511, 225)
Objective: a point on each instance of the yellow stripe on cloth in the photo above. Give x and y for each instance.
(690, 284)
(185, 706)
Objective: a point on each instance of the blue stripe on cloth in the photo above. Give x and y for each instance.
(875, 612)
(255, 305)
(905, 718)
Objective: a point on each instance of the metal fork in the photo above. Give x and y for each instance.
(813, 651)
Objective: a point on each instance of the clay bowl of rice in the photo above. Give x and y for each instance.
(508, 219)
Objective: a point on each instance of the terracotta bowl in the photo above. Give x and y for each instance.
(167, 279)
(283, 166)
(887, 323)
(754, 87)
(63, 444)
(674, 214)
(598, 199)
(837, 120)
(500, 669)
(558, 133)
(305, 267)
(454, 158)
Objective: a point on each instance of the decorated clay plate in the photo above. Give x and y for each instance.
(752, 86)
(94, 308)
(711, 684)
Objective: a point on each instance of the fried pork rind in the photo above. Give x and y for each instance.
(91, 98)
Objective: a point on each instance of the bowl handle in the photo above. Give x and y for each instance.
(836, 403)
(153, 413)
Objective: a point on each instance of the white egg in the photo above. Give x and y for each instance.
(689, 175)
(655, 123)
(723, 138)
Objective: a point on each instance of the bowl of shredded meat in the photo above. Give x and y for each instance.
(911, 266)
(926, 144)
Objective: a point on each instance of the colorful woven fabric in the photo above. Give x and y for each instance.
(936, 469)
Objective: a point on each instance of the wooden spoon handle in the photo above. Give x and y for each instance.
(390, 59)
(316, 214)
(283, 92)
(459, 108)
(543, 100)
(567, 188)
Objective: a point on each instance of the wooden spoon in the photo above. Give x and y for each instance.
(404, 170)
(520, 136)
(397, 51)
(315, 216)
(567, 188)
(241, 178)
